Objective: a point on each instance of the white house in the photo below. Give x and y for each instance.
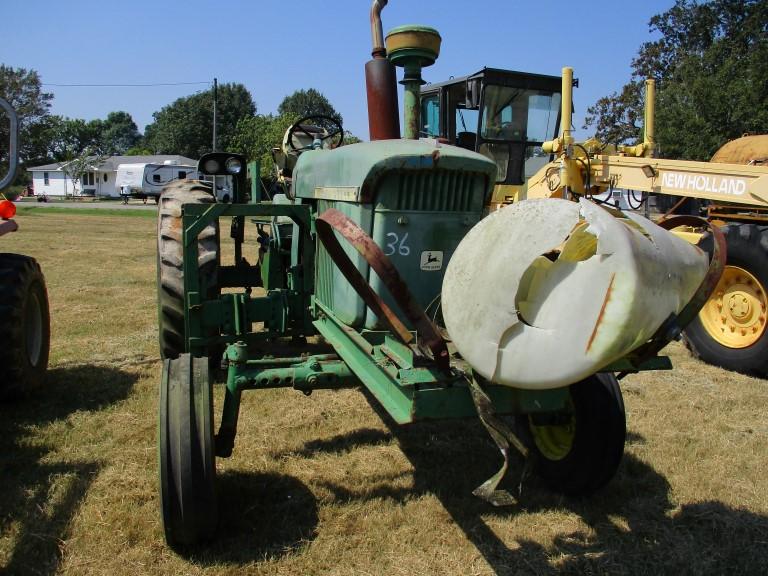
(101, 180)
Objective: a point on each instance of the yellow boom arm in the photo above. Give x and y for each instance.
(591, 168)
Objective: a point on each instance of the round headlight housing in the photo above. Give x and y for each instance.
(211, 166)
(233, 165)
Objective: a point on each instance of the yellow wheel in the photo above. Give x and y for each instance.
(730, 330)
(554, 440)
(735, 315)
(577, 450)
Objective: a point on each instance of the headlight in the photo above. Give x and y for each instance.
(211, 166)
(233, 166)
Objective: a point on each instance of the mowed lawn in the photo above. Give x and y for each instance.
(324, 484)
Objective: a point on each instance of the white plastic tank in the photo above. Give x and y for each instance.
(546, 292)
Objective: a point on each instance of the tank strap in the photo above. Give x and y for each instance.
(333, 220)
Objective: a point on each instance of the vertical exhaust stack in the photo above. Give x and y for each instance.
(381, 84)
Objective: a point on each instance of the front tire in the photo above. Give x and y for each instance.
(186, 452)
(170, 255)
(730, 330)
(577, 451)
(25, 325)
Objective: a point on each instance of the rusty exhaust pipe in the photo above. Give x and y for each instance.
(381, 84)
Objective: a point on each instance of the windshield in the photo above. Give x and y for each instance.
(519, 114)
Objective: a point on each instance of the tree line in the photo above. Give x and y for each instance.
(710, 62)
(184, 127)
(711, 69)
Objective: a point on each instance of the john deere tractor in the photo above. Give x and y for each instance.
(378, 269)
(24, 314)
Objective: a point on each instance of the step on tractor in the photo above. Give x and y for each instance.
(24, 314)
(381, 268)
(513, 117)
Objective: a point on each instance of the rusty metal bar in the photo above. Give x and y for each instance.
(331, 220)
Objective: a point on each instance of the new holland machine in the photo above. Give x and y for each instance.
(513, 117)
(385, 255)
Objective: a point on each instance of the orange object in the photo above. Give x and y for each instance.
(7, 209)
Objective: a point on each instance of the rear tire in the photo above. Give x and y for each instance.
(25, 325)
(580, 451)
(185, 446)
(730, 331)
(170, 253)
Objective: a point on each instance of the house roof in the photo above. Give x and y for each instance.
(111, 163)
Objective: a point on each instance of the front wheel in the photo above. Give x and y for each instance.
(25, 325)
(578, 450)
(730, 330)
(186, 455)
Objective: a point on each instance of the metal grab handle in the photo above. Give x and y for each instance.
(13, 150)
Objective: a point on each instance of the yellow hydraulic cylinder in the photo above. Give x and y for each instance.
(566, 110)
(649, 121)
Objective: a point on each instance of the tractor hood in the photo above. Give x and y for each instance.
(352, 173)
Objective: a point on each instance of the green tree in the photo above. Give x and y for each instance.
(710, 64)
(307, 103)
(118, 133)
(186, 126)
(67, 137)
(257, 135)
(84, 161)
(138, 150)
(22, 88)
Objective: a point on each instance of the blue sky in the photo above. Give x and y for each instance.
(276, 47)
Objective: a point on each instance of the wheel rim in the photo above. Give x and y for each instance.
(33, 322)
(554, 441)
(735, 314)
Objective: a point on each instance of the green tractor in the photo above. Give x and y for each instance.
(342, 289)
(24, 314)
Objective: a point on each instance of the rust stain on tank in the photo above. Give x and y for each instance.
(602, 312)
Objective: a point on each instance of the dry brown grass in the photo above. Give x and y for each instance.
(323, 485)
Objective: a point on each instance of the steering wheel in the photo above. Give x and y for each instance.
(322, 121)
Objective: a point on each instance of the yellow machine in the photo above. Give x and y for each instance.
(730, 330)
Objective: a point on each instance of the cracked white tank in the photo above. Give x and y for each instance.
(545, 292)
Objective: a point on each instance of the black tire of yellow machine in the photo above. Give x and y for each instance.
(186, 453)
(25, 325)
(747, 247)
(170, 251)
(580, 450)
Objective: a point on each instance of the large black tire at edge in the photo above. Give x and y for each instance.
(597, 435)
(25, 329)
(747, 247)
(186, 452)
(170, 277)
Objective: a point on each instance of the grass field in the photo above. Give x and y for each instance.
(324, 484)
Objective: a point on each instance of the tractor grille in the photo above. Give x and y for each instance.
(433, 190)
(324, 267)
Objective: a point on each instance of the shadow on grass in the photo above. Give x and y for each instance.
(634, 528)
(261, 516)
(39, 498)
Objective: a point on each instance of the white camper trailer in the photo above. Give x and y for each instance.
(146, 180)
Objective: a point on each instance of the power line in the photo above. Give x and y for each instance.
(126, 85)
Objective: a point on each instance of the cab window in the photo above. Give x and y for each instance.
(519, 114)
(430, 116)
(542, 116)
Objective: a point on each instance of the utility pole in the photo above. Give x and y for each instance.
(215, 102)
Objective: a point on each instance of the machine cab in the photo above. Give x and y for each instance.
(504, 115)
